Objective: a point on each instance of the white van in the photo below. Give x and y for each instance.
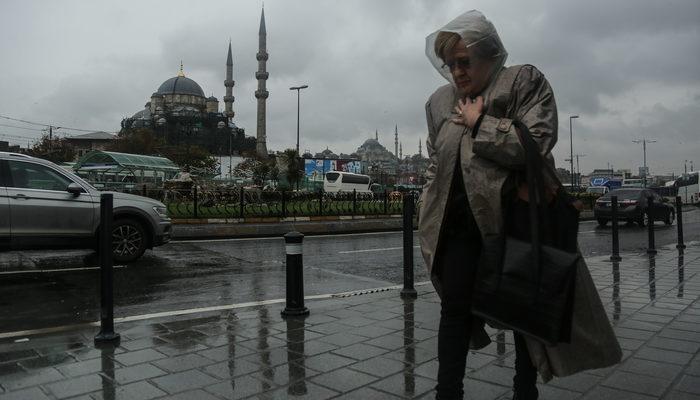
(338, 181)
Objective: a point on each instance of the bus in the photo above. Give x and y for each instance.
(339, 181)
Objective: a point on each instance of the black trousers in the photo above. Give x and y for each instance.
(459, 251)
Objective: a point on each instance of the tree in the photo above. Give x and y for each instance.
(145, 141)
(137, 141)
(53, 149)
(259, 170)
(292, 162)
(191, 158)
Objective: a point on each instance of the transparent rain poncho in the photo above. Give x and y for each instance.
(473, 28)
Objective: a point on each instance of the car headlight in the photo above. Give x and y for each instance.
(161, 211)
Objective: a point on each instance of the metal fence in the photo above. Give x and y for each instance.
(241, 203)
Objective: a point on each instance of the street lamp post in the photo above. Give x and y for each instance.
(298, 89)
(644, 149)
(571, 140)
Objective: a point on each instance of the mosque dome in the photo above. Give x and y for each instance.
(180, 85)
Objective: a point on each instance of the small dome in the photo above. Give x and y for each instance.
(180, 85)
(143, 114)
(212, 98)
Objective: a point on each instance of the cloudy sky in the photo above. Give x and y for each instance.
(629, 68)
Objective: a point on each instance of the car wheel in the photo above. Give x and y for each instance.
(128, 240)
(602, 222)
(670, 218)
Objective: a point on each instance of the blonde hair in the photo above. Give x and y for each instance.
(445, 42)
(484, 48)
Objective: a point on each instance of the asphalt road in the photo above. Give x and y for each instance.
(45, 289)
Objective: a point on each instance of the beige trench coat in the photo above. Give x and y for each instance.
(487, 161)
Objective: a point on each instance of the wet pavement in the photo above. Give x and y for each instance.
(49, 288)
(370, 345)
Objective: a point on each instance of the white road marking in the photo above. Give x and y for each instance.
(141, 317)
(39, 271)
(371, 250)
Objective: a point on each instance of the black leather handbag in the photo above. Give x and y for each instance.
(529, 286)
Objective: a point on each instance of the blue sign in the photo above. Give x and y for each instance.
(599, 181)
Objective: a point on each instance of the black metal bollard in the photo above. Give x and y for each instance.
(650, 217)
(195, 201)
(408, 290)
(354, 202)
(241, 203)
(107, 334)
(386, 202)
(283, 211)
(679, 222)
(295, 275)
(615, 231)
(320, 203)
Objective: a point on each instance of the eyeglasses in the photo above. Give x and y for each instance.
(464, 63)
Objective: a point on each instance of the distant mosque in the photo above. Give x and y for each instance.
(379, 162)
(181, 113)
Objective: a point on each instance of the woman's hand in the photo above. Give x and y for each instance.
(468, 111)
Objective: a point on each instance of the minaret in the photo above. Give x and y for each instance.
(376, 135)
(396, 142)
(420, 148)
(229, 82)
(261, 94)
(400, 151)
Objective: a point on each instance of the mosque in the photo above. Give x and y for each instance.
(180, 112)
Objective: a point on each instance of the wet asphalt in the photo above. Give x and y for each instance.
(41, 289)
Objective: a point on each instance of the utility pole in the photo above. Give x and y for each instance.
(578, 170)
(571, 140)
(298, 89)
(51, 128)
(644, 149)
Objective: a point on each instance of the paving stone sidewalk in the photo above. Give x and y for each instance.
(365, 346)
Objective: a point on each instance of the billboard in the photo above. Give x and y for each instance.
(316, 168)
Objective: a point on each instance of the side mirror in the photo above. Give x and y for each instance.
(75, 189)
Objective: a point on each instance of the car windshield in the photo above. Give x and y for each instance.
(600, 189)
(625, 194)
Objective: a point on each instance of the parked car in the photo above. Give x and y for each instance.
(45, 206)
(632, 207)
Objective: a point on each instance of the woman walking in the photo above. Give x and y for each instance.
(474, 152)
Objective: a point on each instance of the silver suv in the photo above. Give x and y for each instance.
(43, 205)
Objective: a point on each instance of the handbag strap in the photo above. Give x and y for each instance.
(536, 193)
